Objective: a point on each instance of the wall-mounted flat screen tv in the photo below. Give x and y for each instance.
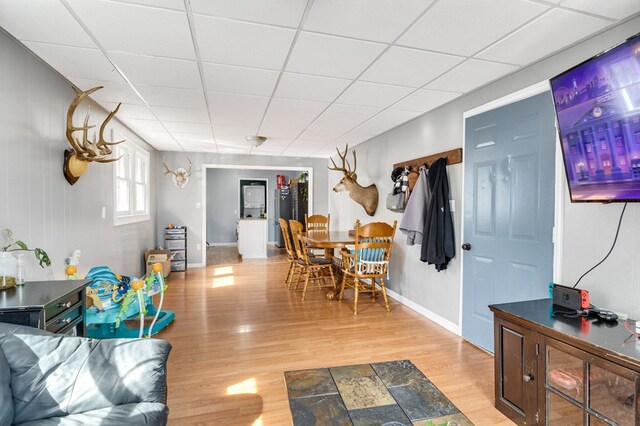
(598, 114)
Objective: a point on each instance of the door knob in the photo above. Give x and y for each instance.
(466, 246)
(527, 378)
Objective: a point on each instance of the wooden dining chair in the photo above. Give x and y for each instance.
(294, 267)
(365, 267)
(317, 222)
(312, 268)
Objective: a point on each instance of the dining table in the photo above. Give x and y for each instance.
(329, 241)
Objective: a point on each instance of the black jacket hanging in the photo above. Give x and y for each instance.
(438, 243)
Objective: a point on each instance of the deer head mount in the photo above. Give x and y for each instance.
(85, 151)
(180, 175)
(366, 197)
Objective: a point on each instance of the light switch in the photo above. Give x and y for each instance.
(198, 247)
(198, 205)
(452, 205)
(103, 214)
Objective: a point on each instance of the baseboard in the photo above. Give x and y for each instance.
(222, 244)
(442, 322)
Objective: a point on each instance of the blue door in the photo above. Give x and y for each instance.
(508, 213)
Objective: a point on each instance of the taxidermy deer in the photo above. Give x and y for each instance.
(180, 175)
(366, 197)
(83, 152)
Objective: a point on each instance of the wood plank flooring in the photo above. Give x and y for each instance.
(238, 328)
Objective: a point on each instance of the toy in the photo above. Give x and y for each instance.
(124, 298)
(72, 272)
(94, 299)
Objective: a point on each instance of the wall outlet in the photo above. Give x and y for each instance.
(198, 246)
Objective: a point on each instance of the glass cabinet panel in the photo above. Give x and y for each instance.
(561, 412)
(565, 373)
(612, 395)
(594, 421)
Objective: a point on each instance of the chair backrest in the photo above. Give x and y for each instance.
(298, 240)
(373, 244)
(317, 222)
(284, 226)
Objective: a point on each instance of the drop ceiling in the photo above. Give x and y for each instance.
(201, 75)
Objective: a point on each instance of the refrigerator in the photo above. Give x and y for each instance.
(282, 205)
(290, 203)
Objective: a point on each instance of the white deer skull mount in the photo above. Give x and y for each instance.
(180, 175)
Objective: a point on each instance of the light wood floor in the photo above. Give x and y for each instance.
(238, 329)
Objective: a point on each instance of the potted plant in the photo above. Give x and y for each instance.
(9, 264)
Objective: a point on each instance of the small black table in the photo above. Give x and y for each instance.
(55, 306)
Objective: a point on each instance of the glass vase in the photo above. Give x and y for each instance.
(8, 270)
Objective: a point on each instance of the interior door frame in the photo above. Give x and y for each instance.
(203, 204)
(560, 181)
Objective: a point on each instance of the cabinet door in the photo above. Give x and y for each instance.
(516, 370)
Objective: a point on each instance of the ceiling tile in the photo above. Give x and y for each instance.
(376, 20)
(186, 115)
(470, 75)
(277, 12)
(182, 127)
(321, 135)
(155, 71)
(613, 9)
(172, 97)
(297, 108)
(558, 28)
(425, 100)
(236, 110)
(484, 22)
(332, 56)
(357, 114)
(111, 92)
(77, 62)
(204, 136)
(239, 43)
(141, 126)
(137, 29)
(373, 94)
(43, 21)
(129, 110)
(310, 87)
(233, 79)
(242, 132)
(166, 4)
(157, 137)
(192, 145)
(386, 120)
(409, 67)
(168, 145)
(280, 127)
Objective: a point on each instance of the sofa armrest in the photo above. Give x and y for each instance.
(53, 375)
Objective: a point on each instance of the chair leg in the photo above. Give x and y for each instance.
(356, 284)
(289, 274)
(384, 295)
(333, 280)
(306, 282)
(300, 270)
(342, 284)
(374, 292)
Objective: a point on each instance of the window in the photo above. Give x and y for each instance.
(131, 185)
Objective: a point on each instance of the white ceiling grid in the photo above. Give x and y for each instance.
(200, 75)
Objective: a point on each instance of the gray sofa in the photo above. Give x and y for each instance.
(48, 379)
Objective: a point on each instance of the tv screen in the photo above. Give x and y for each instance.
(598, 113)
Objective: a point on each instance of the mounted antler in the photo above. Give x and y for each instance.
(180, 175)
(366, 197)
(77, 159)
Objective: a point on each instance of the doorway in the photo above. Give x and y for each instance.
(509, 210)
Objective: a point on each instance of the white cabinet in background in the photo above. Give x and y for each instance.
(252, 238)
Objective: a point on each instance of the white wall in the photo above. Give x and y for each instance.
(179, 206)
(36, 202)
(442, 129)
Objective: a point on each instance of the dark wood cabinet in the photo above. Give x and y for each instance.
(55, 306)
(564, 371)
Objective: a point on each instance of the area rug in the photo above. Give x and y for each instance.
(386, 393)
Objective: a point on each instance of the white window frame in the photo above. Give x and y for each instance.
(131, 216)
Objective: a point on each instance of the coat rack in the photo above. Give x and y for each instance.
(453, 156)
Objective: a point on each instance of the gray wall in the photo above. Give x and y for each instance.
(223, 198)
(37, 203)
(614, 286)
(184, 206)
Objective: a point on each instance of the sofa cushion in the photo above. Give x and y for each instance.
(6, 401)
(53, 375)
(144, 413)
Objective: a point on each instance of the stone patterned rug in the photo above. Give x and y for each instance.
(386, 393)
